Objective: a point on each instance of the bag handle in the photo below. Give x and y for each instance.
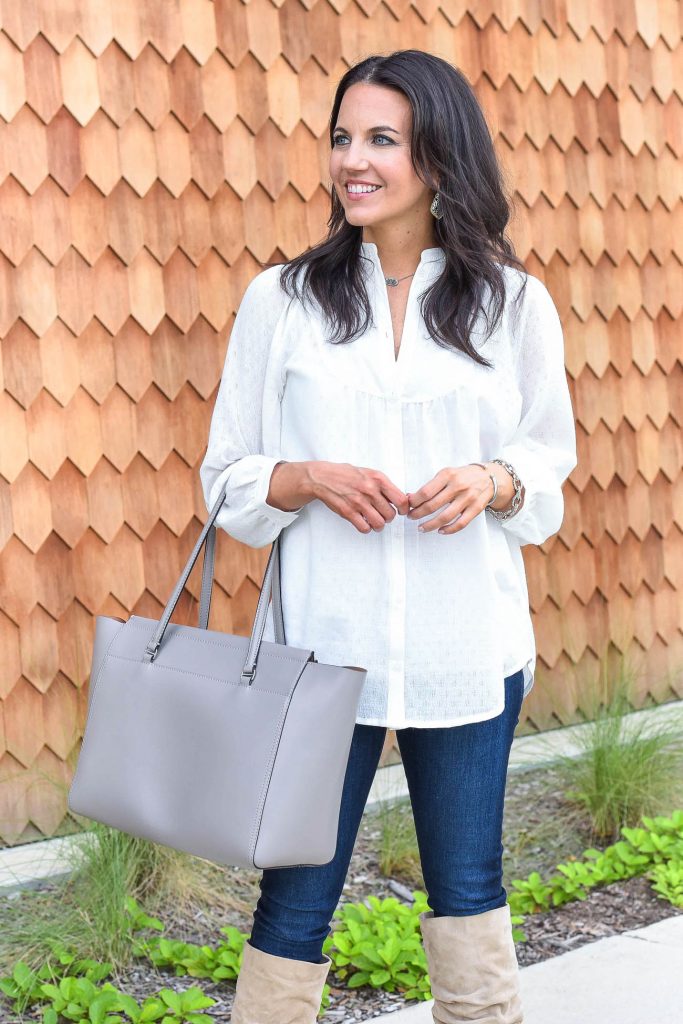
(207, 587)
(270, 587)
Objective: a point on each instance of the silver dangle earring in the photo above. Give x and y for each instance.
(435, 208)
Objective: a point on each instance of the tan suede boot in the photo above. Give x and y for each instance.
(278, 990)
(473, 969)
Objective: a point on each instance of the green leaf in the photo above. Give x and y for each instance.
(21, 973)
(171, 999)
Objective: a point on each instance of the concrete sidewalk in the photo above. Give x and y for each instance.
(632, 978)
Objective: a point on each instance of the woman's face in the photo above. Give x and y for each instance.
(372, 144)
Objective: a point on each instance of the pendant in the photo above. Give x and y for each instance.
(392, 281)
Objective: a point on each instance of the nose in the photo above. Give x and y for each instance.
(352, 158)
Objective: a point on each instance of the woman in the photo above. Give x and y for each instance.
(397, 397)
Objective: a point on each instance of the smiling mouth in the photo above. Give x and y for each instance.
(364, 192)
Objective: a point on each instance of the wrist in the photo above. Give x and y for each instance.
(290, 487)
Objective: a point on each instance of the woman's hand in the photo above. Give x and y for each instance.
(463, 492)
(365, 497)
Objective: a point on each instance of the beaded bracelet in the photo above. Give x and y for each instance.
(513, 507)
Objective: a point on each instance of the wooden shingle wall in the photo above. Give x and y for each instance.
(153, 156)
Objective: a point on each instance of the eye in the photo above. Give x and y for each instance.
(342, 135)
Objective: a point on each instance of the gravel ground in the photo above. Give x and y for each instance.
(533, 840)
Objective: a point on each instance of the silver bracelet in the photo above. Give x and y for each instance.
(513, 507)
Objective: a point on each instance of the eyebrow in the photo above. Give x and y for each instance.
(377, 128)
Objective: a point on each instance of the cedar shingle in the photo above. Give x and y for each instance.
(263, 31)
(161, 559)
(146, 287)
(35, 289)
(14, 450)
(78, 73)
(137, 153)
(117, 87)
(206, 156)
(231, 30)
(219, 91)
(99, 146)
(111, 291)
(170, 357)
(31, 508)
(50, 221)
(11, 667)
(91, 566)
(178, 514)
(185, 90)
(39, 652)
(180, 291)
(125, 223)
(69, 497)
(139, 486)
(127, 567)
(188, 436)
(27, 142)
(239, 160)
(212, 279)
(24, 728)
(271, 161)
(119, 428)
(195, 223)
(671, 449)
(132, 23)
(172, 147)
(21, 365)
(105, 501)
(13, 92)
(43, 82)
(152, 88)
(96, 363)
(225, 216)
(204, 364)
(46, 434)
(95, 25)
(153, 418)
(161, 228)
(73, 286)
(83, 431)
(63, 154)
(60, 714)
(198, 25)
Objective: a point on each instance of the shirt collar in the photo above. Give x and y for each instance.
(436, 254)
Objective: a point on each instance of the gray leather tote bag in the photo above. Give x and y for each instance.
(227, 747)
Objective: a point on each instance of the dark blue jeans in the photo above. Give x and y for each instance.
(456, 780)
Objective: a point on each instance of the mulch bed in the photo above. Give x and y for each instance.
(607, 911)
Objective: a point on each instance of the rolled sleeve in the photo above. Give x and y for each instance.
(234, 457)
(543, 448)
(245, 513)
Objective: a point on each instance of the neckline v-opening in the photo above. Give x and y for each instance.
(435, 254)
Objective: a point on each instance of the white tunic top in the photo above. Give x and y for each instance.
(437, 620)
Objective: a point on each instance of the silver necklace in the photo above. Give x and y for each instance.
(393, 281)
